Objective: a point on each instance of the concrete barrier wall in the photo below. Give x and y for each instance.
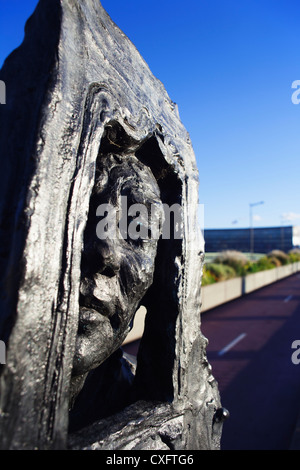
(138, 326)
(222, 292)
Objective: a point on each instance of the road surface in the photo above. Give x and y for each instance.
(250, 350)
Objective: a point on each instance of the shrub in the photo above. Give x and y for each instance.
(234, 259)
(275, 261)
(280, 255)
(207, 277)
(263, 264)
(221, 271)
(294, 255)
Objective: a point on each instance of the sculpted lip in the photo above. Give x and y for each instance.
(88, 319)
(94, 304)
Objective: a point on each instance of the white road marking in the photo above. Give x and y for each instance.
(230, 345)
(288, 298)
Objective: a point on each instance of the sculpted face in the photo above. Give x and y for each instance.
(115, 272)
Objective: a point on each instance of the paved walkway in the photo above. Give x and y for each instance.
(250, 350)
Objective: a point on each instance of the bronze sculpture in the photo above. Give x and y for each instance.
(88, 106)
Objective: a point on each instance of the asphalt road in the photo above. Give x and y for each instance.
(250, 350)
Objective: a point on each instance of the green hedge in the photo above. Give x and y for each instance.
(235, 259)
(215, 272)
(230, 264)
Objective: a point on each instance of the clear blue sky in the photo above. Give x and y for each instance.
(229, 65)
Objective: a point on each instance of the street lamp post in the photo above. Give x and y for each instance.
(251, 205)
(282, 233)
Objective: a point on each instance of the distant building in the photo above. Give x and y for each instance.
(264, 239)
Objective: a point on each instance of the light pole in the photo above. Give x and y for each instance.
(282, 232)
(252, 204)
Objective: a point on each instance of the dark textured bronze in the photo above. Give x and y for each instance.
(85, 122)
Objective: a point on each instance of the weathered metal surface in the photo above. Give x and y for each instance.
(82, 103)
